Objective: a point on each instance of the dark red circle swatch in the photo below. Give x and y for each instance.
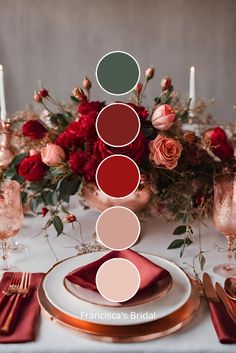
(118, 176)
(118, 124)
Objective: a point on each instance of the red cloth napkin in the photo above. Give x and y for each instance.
(28, 310)
(225, 327)
(149, 272)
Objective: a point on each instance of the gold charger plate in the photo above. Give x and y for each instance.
(127, 333)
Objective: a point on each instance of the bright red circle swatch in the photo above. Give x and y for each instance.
(118, 124)
(118, 176)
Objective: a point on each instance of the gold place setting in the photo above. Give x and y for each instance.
(117, 179)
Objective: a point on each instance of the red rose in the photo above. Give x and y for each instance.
(32, 168)
(87, 107)
(219, 143)
(218, 136)
(68, 140)
(135, 150)
(77, 161)
(224, 151)
(90, 168)
(141, 111)
(87, 127)
(34, 129)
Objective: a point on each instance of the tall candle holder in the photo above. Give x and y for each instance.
(7, 151)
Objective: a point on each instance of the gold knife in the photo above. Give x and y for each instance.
(209, 289)
(225, 300)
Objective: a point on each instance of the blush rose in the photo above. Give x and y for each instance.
(52, 155)
(163, 117)
(165, 151)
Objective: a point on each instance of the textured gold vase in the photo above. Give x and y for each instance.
(96, 199)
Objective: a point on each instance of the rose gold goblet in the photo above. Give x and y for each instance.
(224, 216)
(11, 215)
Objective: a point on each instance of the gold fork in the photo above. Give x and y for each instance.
(14, 285)
(21, 293)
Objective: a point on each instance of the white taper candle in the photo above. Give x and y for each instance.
(2, 97)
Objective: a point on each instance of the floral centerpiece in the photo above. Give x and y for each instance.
(60, 152)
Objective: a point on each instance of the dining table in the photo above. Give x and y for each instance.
(198, 336)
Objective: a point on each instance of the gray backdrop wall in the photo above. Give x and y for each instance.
(58, 41)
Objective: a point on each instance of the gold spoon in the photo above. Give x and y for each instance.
(230, 287)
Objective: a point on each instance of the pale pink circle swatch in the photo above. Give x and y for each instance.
(118, 228)
(118, 280)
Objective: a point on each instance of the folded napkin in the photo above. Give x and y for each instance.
(27, 312)
(225, 327)
(85, 276)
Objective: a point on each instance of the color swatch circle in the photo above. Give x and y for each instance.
(117, 72)
(118, 125)
(118, 228)
(118, 280)
(117, 176)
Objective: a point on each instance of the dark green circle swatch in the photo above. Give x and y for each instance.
(117, 73)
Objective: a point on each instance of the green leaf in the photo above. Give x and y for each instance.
(188, 241)
(24, 197)
(202, 261)
(67, 187)
(74, 99)
(35, 202)
(180, 230)
(177, 243)
(19, 179)
(10, 172)
(36, 186)
(57, 222)
(49, 197)
(18, 159)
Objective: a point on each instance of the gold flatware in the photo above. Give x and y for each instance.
(13, 285)
(23, 290)
(230, 287)
(225, 300)
(209, 289)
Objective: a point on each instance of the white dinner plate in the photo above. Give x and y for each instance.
(156, 291)
(60, 297)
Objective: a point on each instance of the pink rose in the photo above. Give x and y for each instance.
(165, 151)
(163, 117)
(52, 155)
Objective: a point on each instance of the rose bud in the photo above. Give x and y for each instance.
(166, 83)
(163, 117)
(44, 211)
(189, 136)
(52, 155)
(78, 93)
(87, 84)
(138, 88)
(70, 218)
(37, 97)
(149, 73)
(43, 93)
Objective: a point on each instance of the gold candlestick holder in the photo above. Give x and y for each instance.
(7, 151)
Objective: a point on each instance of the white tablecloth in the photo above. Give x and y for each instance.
(198, 336)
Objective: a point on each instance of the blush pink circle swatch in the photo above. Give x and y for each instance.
(118, 176)
(118, 228)
(118, 125)
(118, 280)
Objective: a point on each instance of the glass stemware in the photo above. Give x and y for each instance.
(11, 215)
(224, 217)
